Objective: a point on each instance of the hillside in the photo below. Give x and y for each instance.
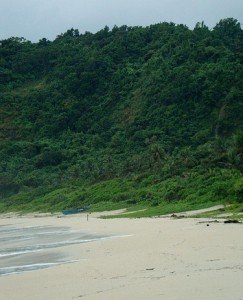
(127, 117)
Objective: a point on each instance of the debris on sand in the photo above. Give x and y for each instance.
(232, 222)
(177, 216)
(213, 221)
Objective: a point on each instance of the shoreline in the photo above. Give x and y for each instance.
(156, 258)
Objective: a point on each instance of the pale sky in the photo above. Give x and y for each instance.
(35, 19)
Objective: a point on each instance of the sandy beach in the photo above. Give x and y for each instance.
(157, 258)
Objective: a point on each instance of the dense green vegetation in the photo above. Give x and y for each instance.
(127, 117)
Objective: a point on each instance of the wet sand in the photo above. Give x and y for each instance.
(158, 258)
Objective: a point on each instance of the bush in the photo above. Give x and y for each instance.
(49, 158)
(238, 189)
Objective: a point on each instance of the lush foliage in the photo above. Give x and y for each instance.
(130, 115)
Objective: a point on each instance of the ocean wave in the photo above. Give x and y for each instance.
(30, 249)
(31, 267)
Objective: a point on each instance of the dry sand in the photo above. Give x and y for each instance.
(160, 258)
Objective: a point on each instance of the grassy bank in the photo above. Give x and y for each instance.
(188, 192)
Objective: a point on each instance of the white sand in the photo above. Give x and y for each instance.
(161, 259)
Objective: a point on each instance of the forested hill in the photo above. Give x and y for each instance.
(129, 115)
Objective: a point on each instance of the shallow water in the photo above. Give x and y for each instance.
(32, 248)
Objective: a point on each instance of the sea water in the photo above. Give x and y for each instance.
(31, 248)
